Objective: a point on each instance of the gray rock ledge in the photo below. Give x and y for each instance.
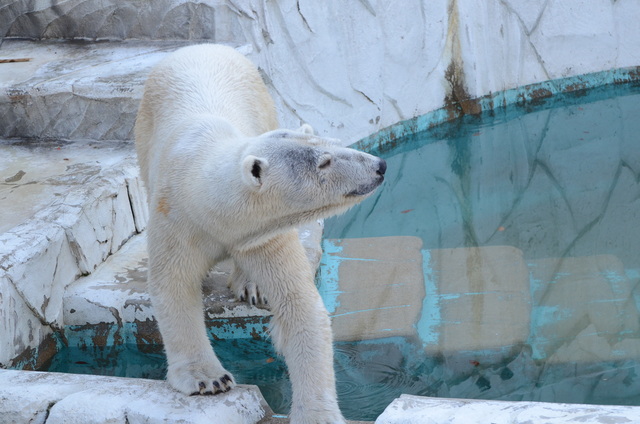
(41, 397)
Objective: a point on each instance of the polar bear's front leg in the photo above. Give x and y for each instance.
(300, 329)
(176, 272)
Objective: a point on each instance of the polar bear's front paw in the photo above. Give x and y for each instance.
(197, 379)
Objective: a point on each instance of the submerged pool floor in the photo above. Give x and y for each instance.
(499, 260)
(526, 223)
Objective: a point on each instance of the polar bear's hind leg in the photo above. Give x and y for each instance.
(244, 289)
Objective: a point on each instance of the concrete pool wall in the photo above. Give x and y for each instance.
(349, 69)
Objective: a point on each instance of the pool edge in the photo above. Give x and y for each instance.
(521, 96)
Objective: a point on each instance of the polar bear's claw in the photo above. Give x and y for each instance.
(245, 290)
(200, 377)
(221, 385)
(227, 382)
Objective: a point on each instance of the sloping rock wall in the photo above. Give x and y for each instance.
(351, 69)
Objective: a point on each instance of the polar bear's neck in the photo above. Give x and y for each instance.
(274, 226)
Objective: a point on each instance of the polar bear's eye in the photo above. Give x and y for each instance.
(324, 161)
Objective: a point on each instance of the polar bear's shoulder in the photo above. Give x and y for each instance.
(206, 80)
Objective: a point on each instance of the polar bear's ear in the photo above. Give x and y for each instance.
(253, 169)
(306, 129)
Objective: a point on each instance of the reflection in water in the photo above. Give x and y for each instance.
(524, 229)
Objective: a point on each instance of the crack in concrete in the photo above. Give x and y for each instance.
(277, 13)
(111, 309)
(394, 103)
(304, 20)
(368, 98)
(528, 32)
(137, 224)
(41, 318)
(47, 412)
(369, 7)
(239, 11)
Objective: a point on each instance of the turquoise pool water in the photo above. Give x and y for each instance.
(251, 362)
(526, 224)
(553, 180)
(499, 260)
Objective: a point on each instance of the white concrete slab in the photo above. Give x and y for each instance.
(74, 91)
(408, 409)
(65, 208)
(52, 398)
(33, 175)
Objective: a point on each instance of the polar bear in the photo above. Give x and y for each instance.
(224, 181)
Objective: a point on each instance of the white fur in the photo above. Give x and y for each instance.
(224, 182)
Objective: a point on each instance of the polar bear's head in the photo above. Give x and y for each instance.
(309, 176)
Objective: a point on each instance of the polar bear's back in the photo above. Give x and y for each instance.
(216, 80)
(205, 79)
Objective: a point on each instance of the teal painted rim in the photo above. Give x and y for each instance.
(534, 94)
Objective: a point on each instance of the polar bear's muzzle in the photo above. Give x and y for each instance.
(366, 189)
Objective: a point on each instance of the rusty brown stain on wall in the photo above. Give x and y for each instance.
(147, 335)
(37, 358)
(457, 101)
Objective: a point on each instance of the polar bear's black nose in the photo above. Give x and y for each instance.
(382, 167)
